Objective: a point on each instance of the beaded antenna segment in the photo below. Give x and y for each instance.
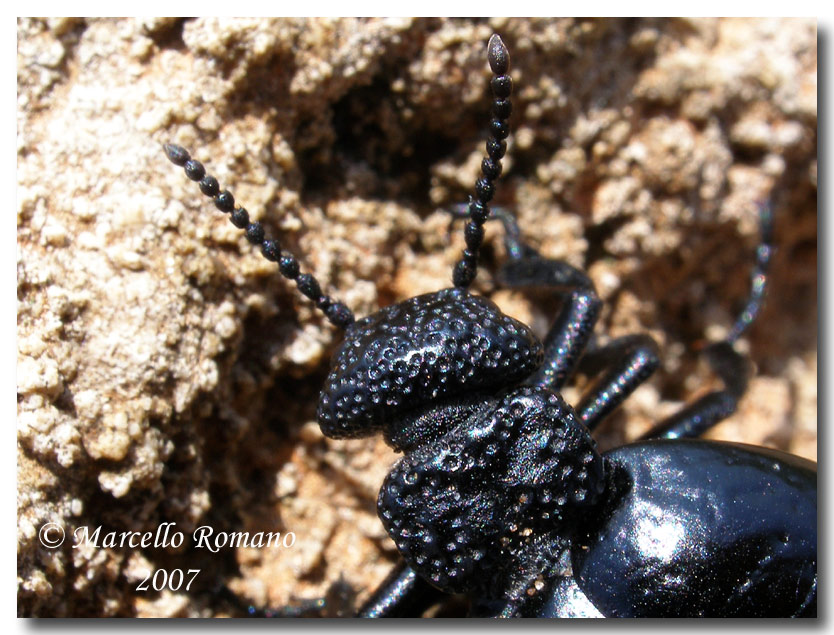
(502, 87)
(337, 313)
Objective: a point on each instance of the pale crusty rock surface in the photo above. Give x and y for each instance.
(166, 373)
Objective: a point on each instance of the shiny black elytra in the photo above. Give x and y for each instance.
(501, 494)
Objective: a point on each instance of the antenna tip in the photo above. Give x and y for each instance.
(498, 55)
(176, 154)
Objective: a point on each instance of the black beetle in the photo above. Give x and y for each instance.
(502, 495)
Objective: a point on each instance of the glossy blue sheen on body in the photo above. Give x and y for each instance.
(696, 528)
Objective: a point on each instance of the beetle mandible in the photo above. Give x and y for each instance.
(502, 495)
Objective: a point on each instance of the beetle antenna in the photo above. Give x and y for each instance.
(337, 313)
(496, 146)
(758, 279)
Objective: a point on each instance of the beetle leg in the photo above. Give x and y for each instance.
(402, 594)
(733, 369)
(698, 417)
(630, 361)
(569, 334)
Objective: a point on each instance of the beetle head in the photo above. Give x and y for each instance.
(421, 352)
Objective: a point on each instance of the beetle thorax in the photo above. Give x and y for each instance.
(498, 490)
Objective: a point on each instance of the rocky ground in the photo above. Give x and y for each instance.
(167, 374)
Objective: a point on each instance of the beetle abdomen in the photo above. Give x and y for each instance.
(703, 529)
